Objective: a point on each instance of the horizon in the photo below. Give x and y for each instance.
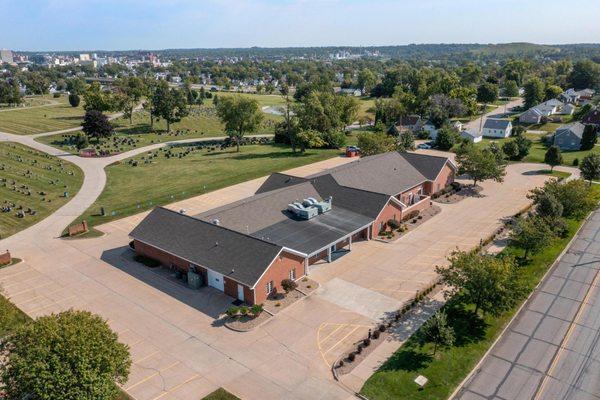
(126, 25)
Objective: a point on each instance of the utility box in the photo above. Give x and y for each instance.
(194, 280)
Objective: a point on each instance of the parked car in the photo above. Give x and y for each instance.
(424, 146)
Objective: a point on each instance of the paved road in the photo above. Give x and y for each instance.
(475, 125)
(551, 350)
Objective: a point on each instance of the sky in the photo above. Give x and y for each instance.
(45, 25)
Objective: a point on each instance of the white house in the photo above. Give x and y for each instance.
(497, 128)
(430, 128)
(472, 136)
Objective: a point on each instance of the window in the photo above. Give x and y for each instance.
(269, 287)
(293, 274)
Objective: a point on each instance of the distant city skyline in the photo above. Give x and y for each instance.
(72, 25)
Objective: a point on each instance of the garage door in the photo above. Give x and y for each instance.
(216, 280)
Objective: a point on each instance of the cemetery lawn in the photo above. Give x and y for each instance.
(57, 115)
(33, 173)
(158, 180)
(201, 123)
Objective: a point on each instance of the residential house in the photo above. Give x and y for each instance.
(497, 128)
(245, 249)
(430, 128)
(531, 116)
(408, 123)
(472, 136)
(592, 117)
(577, 97)
(568, 137)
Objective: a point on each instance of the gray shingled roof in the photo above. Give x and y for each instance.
(387, 173)
(576, 128)
(278, 180)
(240, 257)
(428, 166)
(493, 123)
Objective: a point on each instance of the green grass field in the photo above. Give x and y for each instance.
(158, 180)
(32, 180)
(27, 121)
(445, 370)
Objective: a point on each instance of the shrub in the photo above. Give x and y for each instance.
(341, 364)
(288, 285)
(351, 356)
(576, 162)
(256, 309)
(375, 335)
(393, 224)
(232, 311)
(359, 349)
(244, 310)
(56, 95)
(334, 139)
(366, 342)
(382, 328)
(411, 215)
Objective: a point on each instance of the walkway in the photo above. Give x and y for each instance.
(498, 112)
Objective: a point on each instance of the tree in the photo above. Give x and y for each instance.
(288, 285)
(132, 89)
(589, 137)
(239, 115)
(309, 138)
(511, 89)
(531, 234)
(324, 111)
(96, 99)
(74, 100)
(96, 125)
(534, 92)
(553, 157)
(552, 92)
(523, 146)
(574, 195)
(511, 150)
(170, 104)
(76, 86)
(585, 74)
(446, 138)
(406, 141)
(590, 167)
(71, 355)
(548, 207)
(375, 143)
(366, 80)
(437, 331)
(487, 93)
(81, 141)
(497, 152)
(491, 283)
(480, 165)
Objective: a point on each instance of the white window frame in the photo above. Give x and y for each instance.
(293, 274)
(269, 287)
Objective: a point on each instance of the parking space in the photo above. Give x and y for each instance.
(179, 349)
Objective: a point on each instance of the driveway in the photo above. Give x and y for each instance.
(181, 352)
(499, 112)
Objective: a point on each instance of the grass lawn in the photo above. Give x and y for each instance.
(220, 394)
(31, 179)
(445, 370)
(158, 180)
(201, 123)
(53, 117)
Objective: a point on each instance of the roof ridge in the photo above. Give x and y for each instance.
(219, 226)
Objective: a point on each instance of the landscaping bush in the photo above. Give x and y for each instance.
(244, 310)
(147, 261)
(232, 311)
(351, 356)
(411, 215)
(382, 328)
(256, 310)
(375, 335)
(576, 162)
(56, 95)
(366, 342)
(359, 349)
(288, 285)
(393, 224)
(341, 364)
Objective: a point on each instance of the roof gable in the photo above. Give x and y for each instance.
(493, 123)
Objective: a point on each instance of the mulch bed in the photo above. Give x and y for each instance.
(413, 223)
(245, 323)
(463, 193)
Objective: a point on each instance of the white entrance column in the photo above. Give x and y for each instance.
(329, 254)
(350, 243)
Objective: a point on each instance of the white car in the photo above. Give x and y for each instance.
(424, 146)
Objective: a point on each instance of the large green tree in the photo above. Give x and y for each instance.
(511, 89)
(97, 99)
(96, 125)
(487, 93)
(589, 137)
(553, 157)
(375, 143)
(574, 195)
(590, 167)
(479, 164)
(240, 115)
(491, 283)
(169, 104)
(585, 75)
(131, 90)
(531, 234)
(71, 355)
(437, 331)
(535, 91)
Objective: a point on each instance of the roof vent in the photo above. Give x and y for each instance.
(216, 222)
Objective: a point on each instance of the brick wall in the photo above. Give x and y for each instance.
(76, 229)
(445, 178)
(390, 211)
(278, 271)
(5, 258)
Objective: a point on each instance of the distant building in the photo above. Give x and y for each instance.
(410, 123)
(568, 137)
(497, 128)
(6, 56)
(472, 136)
(531, 116)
